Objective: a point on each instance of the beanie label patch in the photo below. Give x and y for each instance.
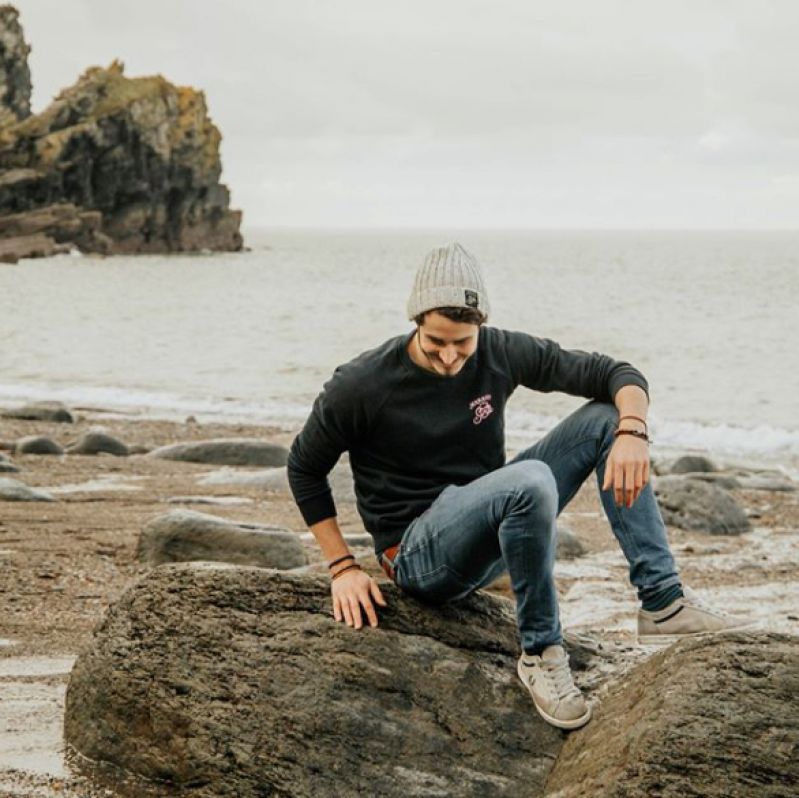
(472, 300)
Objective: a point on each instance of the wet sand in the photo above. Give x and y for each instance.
(64, 562)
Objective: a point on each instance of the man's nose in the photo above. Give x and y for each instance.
(448, 355)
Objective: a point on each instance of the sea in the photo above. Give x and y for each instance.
(709, 317)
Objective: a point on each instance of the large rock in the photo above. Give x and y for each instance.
(15, 77)
(12, 490)
(225, 451)
(567, 545)
(699, 506)
(115, 164)
(96, 442)
(37, 444)
(712, 717)
(40, 411)
(238, 682)
(185, 535)
(276, 480)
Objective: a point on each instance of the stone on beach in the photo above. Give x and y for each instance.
(225, 451)
(12, 490)
(185, 535)
(710, 716)
(699, 506)
(238, 681)
(719, 479)
(568, 546)
(37, 444)
(40, 411)
(96, 442)
(692, 463)
(6, 466)
(277, 481)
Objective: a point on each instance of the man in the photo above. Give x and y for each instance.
(422, 417)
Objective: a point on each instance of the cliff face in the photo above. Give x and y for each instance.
(118, 164)
(15, 78)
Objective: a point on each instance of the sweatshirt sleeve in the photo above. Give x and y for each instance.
(336, 422)
(543, 365)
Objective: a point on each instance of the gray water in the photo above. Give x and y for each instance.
(709, 317)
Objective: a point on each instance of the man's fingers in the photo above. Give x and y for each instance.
(336, 609)
(369, 609)
(608, 481)
(639, 480)
(346, 611)
(618, 484)
(355, 608)
(378, 596)
(629, 484)
(646, 471)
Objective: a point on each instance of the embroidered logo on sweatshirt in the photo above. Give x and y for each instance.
(482, 408)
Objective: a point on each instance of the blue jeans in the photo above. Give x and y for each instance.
(505, 521)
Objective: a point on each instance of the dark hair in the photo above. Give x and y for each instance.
(466, 315)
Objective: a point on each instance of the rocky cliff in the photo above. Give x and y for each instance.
(113, 165)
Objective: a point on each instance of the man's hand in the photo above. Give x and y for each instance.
(627, 469)
(352, 590)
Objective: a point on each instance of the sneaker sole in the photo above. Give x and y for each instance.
(667, 640)
(561, 724)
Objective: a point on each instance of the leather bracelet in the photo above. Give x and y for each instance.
(348, 568)
(642, 435)
(341, 559)
(635, 418)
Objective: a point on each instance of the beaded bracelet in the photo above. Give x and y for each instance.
(340, 559)
(348, 568)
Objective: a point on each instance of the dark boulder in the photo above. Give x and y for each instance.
(40, 411)
(95, 442)
(699, 506)
(692, 462)
(714, 717)
(37, 444)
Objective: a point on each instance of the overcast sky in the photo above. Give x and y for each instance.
(455, 113)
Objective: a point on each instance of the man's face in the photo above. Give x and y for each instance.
(447, 344)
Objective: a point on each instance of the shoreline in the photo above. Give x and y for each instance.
(65, 562)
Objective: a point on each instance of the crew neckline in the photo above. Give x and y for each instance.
(415, 368)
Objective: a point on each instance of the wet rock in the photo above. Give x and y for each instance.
(568, 546)
(184, 535)
(40, 411)
(276, 481)
(96, 442)
(700, 507)
(225, 451)
(712, 717)
(12, 490)
(692, 463)
(239, 682)
(37, 444)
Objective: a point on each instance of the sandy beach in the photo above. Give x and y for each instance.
(65, 562)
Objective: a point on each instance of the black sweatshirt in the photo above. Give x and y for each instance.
(411, 432)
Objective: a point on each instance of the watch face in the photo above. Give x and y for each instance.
(471, 299)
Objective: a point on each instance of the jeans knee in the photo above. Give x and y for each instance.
(534, 481)
(602, 415)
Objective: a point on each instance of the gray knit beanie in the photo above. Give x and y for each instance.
(449, 278)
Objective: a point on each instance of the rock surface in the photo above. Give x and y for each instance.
(712, 717)
(113, 164)
(237, 682)
(693, 462)
(568, 546)
(40, 411)
(37, 444)
(12, 490)
(95, 442)
(185, 535)
(225, 451)
(699, 506)
(15, 77)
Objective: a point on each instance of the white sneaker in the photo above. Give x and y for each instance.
(688, 616)
(549, 680)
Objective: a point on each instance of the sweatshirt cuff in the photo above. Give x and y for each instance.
(618, 381)
(318, 508)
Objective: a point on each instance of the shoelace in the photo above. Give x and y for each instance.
(559, 676)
